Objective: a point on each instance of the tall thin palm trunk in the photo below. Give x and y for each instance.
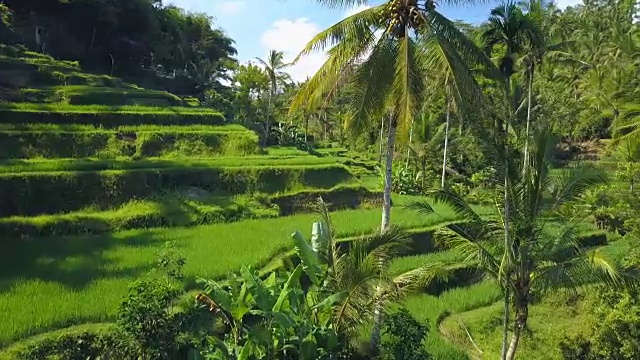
(381, 140)
(446, 143)
(388, 174)
(267, 123)
(526, 136)
(513, 346)
(374, 341)
(507, 252)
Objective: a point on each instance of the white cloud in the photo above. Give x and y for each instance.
(290, 37)
(356, 9)
(563, 4)
(230, 7)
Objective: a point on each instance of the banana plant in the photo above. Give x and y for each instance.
(269, 317)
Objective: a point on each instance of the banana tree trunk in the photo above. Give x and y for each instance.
(388, 175)
(526, 136)
(446, 145)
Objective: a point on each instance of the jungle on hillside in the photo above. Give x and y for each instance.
(436, 190)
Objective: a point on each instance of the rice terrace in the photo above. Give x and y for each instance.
(187, 180)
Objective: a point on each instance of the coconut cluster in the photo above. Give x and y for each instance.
(406, 14)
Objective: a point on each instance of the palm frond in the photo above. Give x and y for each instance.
(356, 27)
(373, 82)
(569, 184)
(419, 278)
(341, 3)
(408, 85)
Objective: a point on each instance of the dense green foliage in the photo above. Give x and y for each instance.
(126, 38)
(501, 242)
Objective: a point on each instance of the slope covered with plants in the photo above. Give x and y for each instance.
(437, 190)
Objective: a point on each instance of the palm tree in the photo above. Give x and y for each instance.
(273, 65)
(541, 259)
(509, 27)
(539, 47)
(393, 47)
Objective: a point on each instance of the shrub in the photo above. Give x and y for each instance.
(95, 341)
(54, 192)
(405, 335)
(145, 316)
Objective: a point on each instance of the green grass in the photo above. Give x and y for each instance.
(479, 309)
(92, 109)
(430, 309)
(285, 151)
(89, 95)
(53, 165)
(16, 351)
(556, 316)
(168, 210)
(22, 128)
(77, 279)
(45, 61)
(406, 263)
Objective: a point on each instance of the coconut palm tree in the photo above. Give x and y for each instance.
(274, 66)
(542, 259)
(393, 47)
(540, 45)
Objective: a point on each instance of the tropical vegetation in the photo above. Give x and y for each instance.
(436, 190)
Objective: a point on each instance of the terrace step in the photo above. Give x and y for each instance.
(187, 207)
(91, 95)
(36, 193)
(106, 116)
(138, 142)
(95, 164)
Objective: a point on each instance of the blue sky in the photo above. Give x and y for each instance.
(287, 25)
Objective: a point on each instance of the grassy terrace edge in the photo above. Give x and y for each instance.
(175, 210)
(14, 167)
(34, 193)
(107, 116)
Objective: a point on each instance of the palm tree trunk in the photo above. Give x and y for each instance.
(513, 346)
(306, 127)
(507, 251)
(446, 144)
(381, 140)
(267, 124)
(526, 136)
(388, 175)
(505, 322)
(522, 314)
(374, 342)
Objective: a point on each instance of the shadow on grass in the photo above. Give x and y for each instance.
(73, 261)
